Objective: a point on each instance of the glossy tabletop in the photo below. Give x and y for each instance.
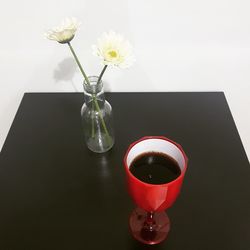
(56, 194)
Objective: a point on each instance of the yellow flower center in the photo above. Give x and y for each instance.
(112, 53)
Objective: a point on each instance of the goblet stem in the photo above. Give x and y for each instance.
(149, 227)
(149, 223)
(148, 231)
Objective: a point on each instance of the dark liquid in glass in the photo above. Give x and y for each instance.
(155, 168)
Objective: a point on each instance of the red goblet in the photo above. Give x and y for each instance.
(148, 222)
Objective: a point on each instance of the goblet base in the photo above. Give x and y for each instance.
(149, 233)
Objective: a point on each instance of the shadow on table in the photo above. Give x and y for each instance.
(136, 245)
(65, 71)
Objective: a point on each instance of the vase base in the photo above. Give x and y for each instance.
(100, 145)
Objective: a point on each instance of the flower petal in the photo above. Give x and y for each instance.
(65, 32)
(114, 50)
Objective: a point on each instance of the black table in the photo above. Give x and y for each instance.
(56, 194)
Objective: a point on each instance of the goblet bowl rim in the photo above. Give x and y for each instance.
(161, 138)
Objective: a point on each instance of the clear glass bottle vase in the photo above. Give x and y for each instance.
(97, 118)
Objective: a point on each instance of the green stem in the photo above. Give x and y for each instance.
(78, 63)
(103, 70)
(96, 103)
(101, 118)
(92, 121)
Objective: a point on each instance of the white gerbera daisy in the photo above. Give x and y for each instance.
(65, 32)
(114, 50)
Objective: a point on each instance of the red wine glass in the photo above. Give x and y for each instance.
(148, 222)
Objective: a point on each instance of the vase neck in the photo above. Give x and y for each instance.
(93, 89)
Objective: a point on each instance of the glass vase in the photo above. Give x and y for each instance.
(97, 118)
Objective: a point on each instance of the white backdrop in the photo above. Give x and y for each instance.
(180, 46)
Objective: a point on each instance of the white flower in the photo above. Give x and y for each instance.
(64, 33)
(114, 50)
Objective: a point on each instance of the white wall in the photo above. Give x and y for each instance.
(180, 46)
